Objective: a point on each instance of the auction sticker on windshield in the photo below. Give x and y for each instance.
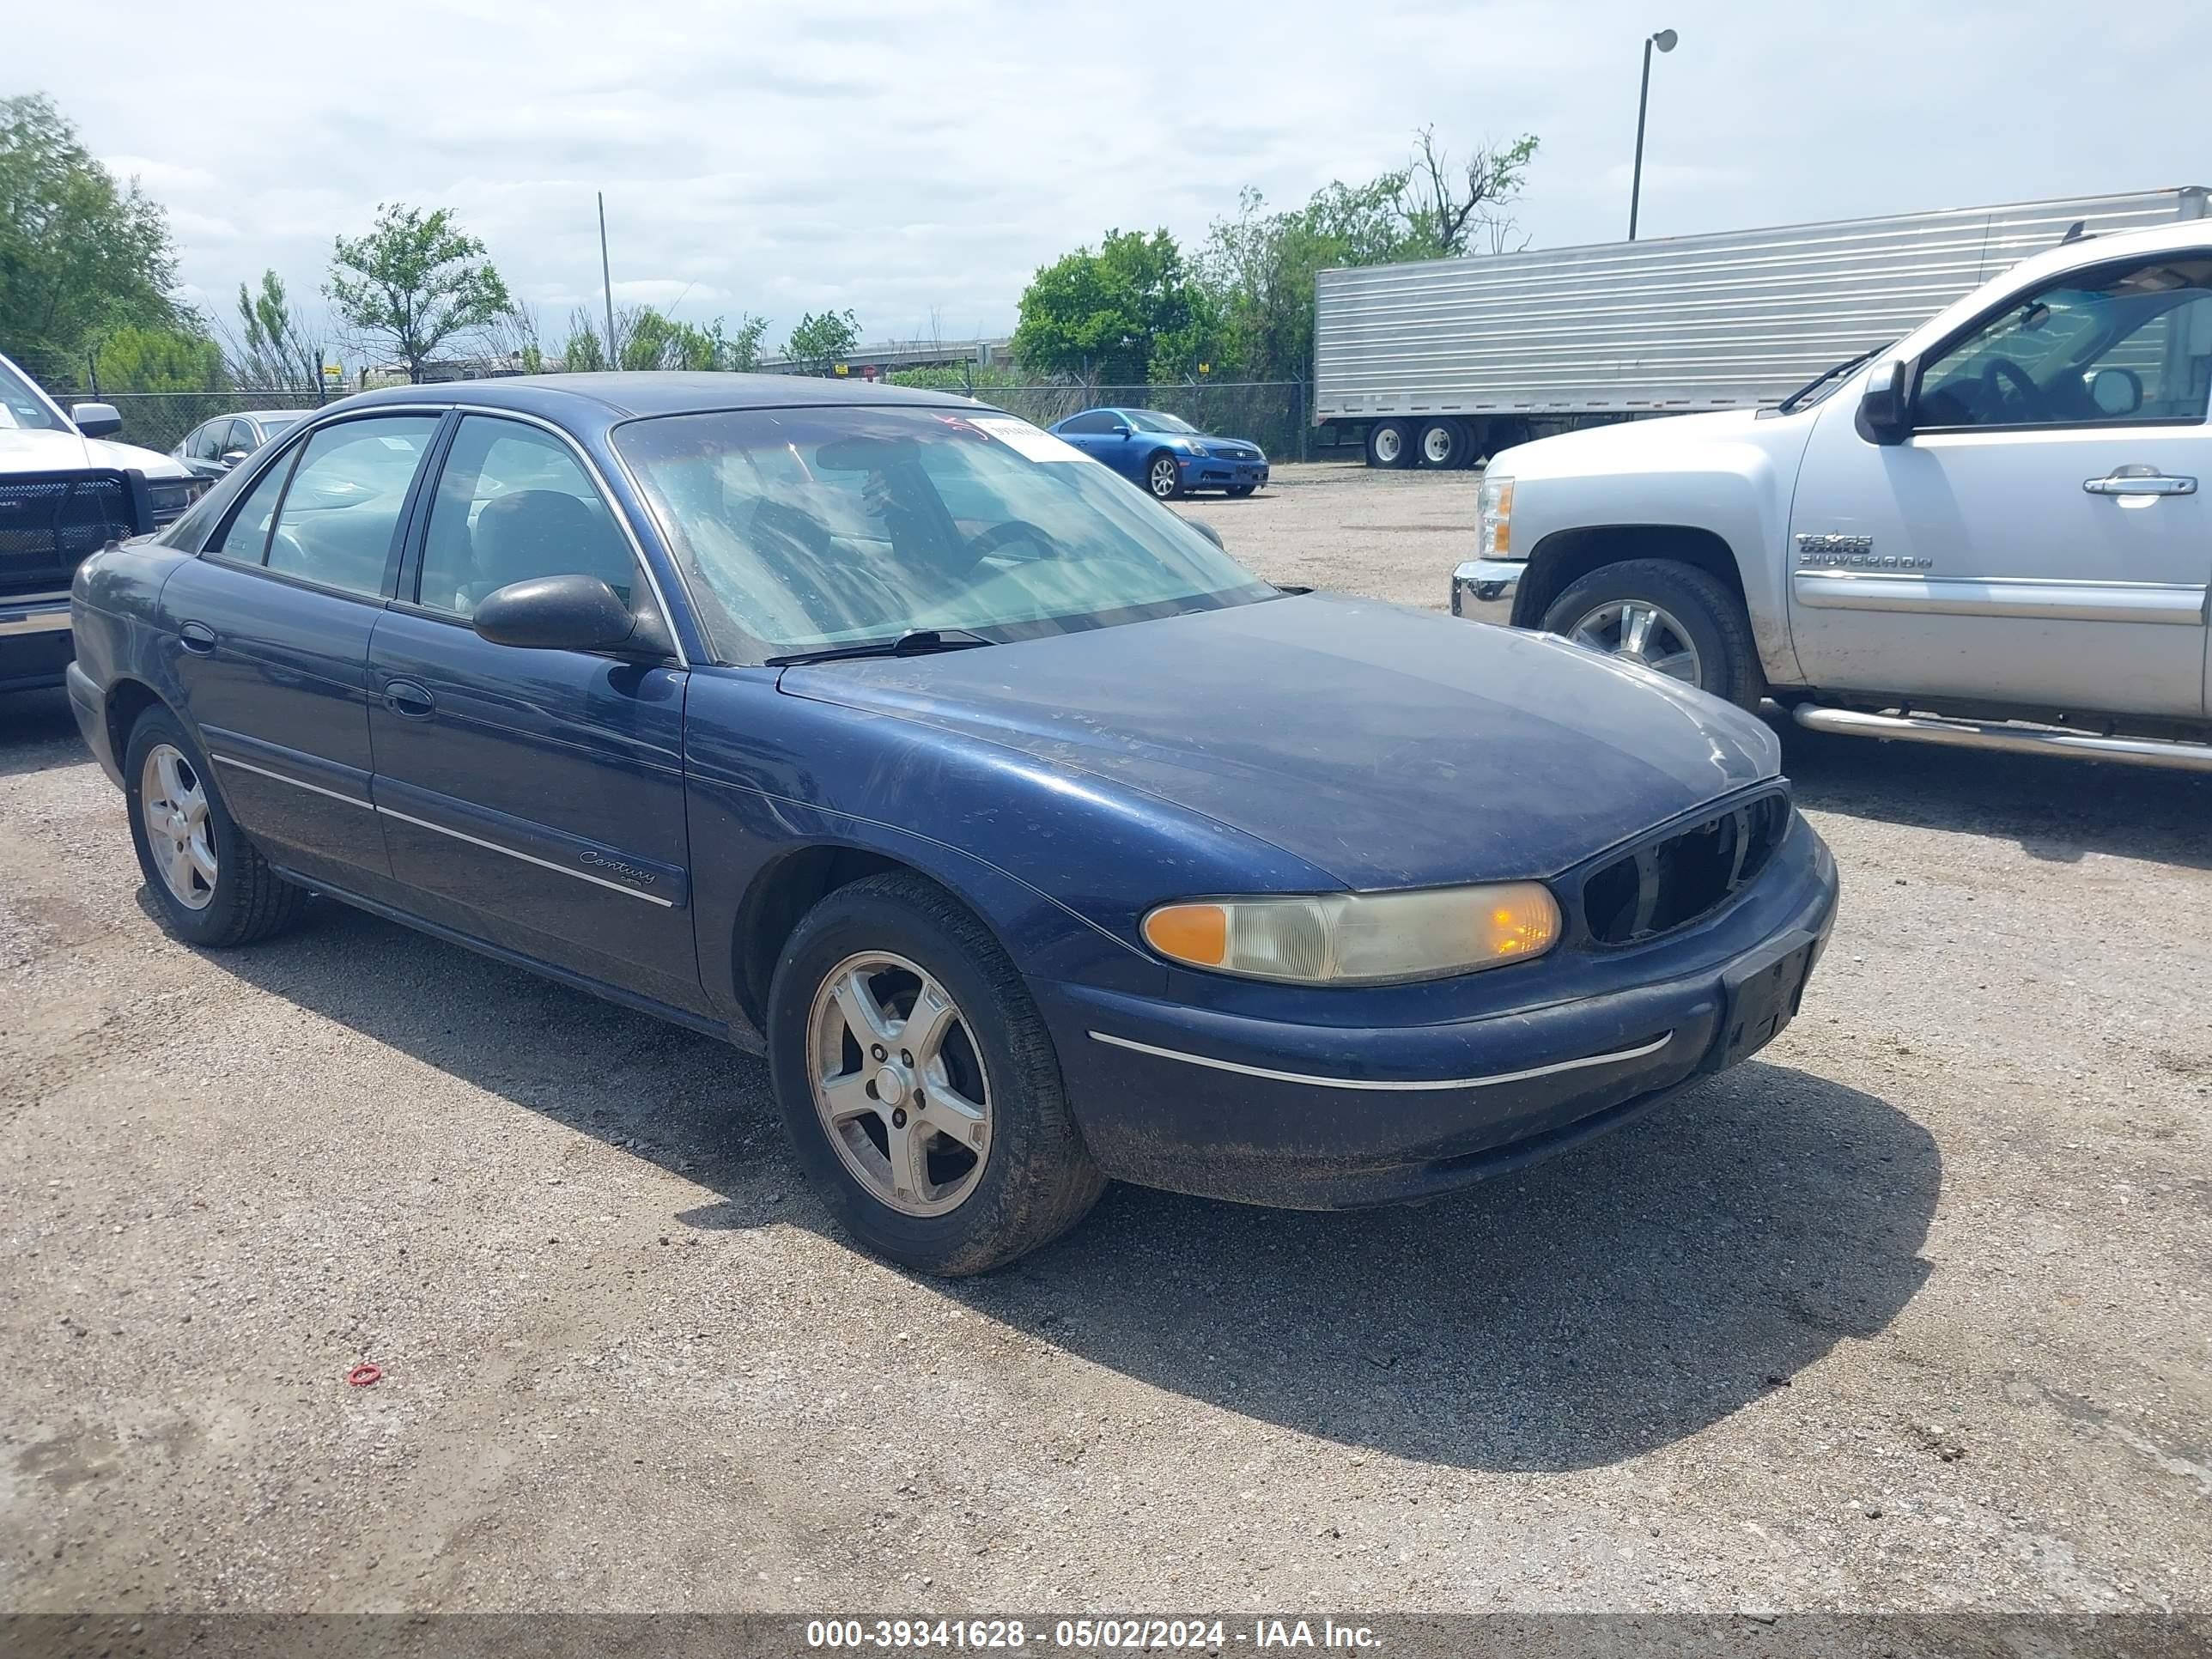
(1023, 439)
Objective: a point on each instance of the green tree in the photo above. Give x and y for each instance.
(818, 344)
(415, 283)
(1259, 267)
(275, 345)
(1105, 316)
(133, 358)
(79, 255)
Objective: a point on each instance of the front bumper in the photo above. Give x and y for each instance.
(1217, 472)
(35, 643)
(1307, 1116)
(1482, 590)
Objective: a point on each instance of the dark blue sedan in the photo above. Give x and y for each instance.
(1035, 841)
(1164, 452)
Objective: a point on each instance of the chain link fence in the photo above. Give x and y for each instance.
(1272, 414)
(160, 420)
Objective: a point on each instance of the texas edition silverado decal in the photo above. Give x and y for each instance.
(1853, 553)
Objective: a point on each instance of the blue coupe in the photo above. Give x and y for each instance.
(1035, 841)
(1164, 452)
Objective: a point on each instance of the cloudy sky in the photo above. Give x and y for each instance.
(917, 163)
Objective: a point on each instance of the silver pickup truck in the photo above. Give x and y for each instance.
(1990, 534)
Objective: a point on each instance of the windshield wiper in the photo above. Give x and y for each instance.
(915, 643)
(1788, 404)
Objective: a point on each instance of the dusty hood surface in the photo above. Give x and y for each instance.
(1386, 746)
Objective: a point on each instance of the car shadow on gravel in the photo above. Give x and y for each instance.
(1598, 1306)
(2055, 809)
(38, 733)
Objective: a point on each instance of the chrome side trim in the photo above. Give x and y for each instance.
(2013, 739)
(2017, 597)
(47, 620)
(1212, 1063)
(528, 858)
(297, 783)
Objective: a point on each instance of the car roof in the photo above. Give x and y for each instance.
(620, 396)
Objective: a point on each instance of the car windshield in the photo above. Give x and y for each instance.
(1150, 420)
(21, 408)
(805, 529)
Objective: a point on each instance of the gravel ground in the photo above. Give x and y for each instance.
(1910, 1313)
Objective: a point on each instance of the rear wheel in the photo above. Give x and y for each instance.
(210, 883)
(920, 1085)
(1162, 478)
(1445, 445)
(1673, 619)
(1389, 444)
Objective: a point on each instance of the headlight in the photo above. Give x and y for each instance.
(1191, 445)
(1494, 538)
(1360, 939)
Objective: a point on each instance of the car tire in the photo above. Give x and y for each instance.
(246, 900)
(1239, 492)
(1443, 445)
(1389, 444)
(1035, 1178)
(1162, 477)
(1695, 608)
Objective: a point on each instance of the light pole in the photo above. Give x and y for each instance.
(1664, 40)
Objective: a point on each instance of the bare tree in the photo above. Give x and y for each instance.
(1446, 204)
(272, 344)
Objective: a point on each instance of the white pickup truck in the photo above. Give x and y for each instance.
(65, 492)
(1990, 534)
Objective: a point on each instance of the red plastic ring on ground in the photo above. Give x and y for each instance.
(361, 1376)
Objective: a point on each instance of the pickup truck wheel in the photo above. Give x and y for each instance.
(1389, 444)
(210, 883)
(919, 1082)
(1672, 619)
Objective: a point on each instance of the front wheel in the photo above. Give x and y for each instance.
(210, 883)
(921, 1088)
(1672, 618)
(1239, 492)
(1162, 478)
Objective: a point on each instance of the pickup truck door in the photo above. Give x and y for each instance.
(2043, 537)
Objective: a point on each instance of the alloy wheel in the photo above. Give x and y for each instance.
(1164, 477)
(1643, 633)
(173, 802)
(898, 1080)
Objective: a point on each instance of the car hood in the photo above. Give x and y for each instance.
(1385, 746)
(28, 451)
(1627, 444)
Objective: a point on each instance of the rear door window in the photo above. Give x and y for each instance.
(341, 511)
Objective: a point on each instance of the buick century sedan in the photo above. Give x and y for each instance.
(1035, 841)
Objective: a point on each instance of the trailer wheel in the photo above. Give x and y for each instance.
(1389, 443)
(1443, 445)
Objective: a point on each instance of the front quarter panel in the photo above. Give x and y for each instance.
(1062, 864)
(1675, 472)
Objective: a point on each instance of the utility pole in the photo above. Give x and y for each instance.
(606, 281)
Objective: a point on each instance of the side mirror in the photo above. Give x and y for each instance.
(1885, 416)
(565, 613)
(1122, 429)
(1206, 530)
(95, 420)
(230, 457)
(2116, 392)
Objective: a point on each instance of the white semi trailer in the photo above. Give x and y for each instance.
(1440, 364)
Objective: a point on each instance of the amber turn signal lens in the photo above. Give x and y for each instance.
(1190, 932)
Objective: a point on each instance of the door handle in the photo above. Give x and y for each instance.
(2139, 481)
(409, 700)
(197, 637)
